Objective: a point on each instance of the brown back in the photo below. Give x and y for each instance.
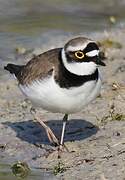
(40, 66)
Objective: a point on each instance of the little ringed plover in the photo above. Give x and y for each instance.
(61, 80)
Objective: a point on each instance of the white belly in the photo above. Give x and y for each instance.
(48, 95)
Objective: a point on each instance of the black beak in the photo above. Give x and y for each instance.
(100, 62)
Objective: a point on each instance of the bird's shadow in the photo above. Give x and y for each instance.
(33, 132)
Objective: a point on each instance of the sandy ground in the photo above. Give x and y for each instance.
(95, 137)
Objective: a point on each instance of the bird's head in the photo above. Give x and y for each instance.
(80, 56)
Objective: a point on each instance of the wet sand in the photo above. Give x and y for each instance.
(95, 137)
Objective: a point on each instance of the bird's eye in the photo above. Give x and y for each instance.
(79, 54)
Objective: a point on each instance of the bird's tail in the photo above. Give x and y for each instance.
(13, 69)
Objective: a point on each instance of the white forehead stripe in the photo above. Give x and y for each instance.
(79, 47)
(92, 53)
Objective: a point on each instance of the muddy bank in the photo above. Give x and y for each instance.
(94, 136)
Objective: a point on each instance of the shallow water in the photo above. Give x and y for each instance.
(32, 23)
(35, 174)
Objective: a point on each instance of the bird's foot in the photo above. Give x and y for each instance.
(62, 148)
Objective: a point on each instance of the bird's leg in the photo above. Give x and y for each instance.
(65, 118)
(49, 132)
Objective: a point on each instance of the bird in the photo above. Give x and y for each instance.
(61, 80)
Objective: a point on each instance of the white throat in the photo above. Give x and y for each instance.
(85, 68)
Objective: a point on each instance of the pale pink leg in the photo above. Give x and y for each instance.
(50, 134)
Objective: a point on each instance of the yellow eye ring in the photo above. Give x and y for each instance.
(79, 54)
